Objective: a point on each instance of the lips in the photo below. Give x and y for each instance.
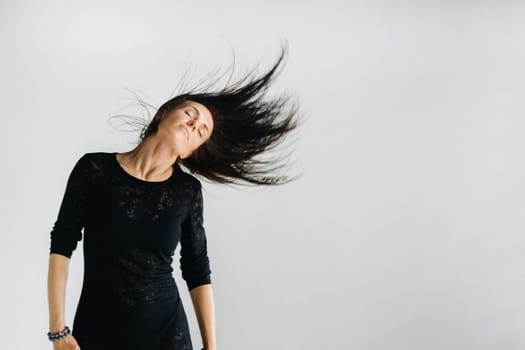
(187, 132)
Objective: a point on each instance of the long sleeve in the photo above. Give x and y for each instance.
(66, 232)
(194, 261)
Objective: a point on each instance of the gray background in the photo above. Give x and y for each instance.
(406, 229)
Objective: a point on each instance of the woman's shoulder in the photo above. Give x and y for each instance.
(96, 161)
(188, 176)
(98, 155)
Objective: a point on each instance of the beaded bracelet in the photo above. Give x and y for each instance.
(59, 335)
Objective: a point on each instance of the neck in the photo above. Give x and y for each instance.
(150, 160)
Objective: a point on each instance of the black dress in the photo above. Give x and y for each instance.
(129, 298)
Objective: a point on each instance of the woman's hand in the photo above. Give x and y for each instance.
(67, 343)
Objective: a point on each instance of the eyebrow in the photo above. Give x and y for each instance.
(198, 113)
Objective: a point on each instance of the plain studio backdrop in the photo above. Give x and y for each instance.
(405, 230)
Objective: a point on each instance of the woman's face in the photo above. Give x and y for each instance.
(187, 127)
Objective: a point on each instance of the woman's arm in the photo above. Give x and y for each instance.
(56, 291)
(65, 235)
(203, 304)
(195, 266)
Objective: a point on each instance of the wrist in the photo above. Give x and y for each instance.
(56, 326)
(56, 336)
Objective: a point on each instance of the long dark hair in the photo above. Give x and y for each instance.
(245, 126)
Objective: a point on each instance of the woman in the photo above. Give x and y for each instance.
(136, 206)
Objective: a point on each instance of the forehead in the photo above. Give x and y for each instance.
(204, 112)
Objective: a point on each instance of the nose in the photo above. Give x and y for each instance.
(192, 124)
